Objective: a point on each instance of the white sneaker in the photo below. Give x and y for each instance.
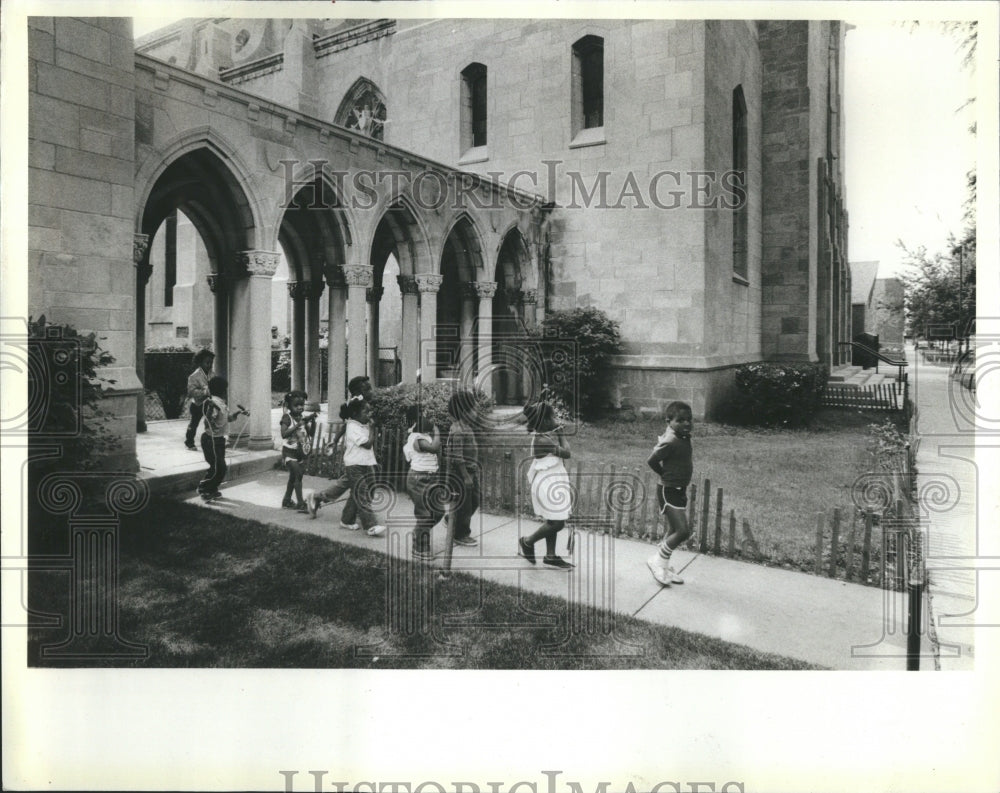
(376, 531)
(674, 578)
(350, 526)
(659, 569)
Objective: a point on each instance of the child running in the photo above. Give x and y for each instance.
(359, 473)
(213, 439)
(296, 442)
(671, 460)
(550, 489)
(421, 452)
(462, 458)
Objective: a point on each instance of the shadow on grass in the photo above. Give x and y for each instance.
(203, 589)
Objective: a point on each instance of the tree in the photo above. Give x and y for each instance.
(941, 290)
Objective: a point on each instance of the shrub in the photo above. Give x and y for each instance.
(67, 408)
(167, 370)
(389, 411)
(597, 338)
(281, 371)
(779, 393)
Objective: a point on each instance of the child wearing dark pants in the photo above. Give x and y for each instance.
(672, 461)
(213, 439)
(296, 440)
(421, 452)
(462, 458)
(551, 496)
(197, 391)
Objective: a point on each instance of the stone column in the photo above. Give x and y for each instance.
(511, 374)
(314, 364)
(373, 296)
(358, 278)
(297, 291)
(250, 384)
(467, 323)
(428, 285)
(143, 269)
(221, 285)
(485, 290)
(410, 353)
(529, 300)
(336, 339)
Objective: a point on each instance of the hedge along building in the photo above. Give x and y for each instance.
(642, 135)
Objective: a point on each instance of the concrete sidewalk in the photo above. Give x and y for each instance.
(822, 621)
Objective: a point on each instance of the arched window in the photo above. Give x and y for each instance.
(473, 112)
(740, 252)
(363, 109)
(588, 83)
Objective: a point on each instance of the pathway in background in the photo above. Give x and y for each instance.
(947, 492)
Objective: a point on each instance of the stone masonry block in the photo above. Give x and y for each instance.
(77, 162)
(68, 192)
(70, 87)
(99, 71)
(41, 45)
(83, 38)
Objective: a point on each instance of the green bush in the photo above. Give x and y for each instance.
(281, 372)
(582, 381)
(167, 370)
(778, 393)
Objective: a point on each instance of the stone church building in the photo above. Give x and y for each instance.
(438, 187)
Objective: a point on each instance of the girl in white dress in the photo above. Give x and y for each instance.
(551, 496)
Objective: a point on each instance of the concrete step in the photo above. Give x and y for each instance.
(843, 373)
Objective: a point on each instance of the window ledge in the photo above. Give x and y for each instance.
(739, 279)
(588, 137)
(475, 154)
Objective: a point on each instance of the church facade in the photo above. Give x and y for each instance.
(683, 176)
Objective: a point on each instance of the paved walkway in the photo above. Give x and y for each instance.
(948, 494)
(814, 619)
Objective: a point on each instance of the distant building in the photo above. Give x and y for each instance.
(876, 304)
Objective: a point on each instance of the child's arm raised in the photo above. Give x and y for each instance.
(433, 445)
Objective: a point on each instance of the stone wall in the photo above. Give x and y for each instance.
(81, 98)
(787, 210)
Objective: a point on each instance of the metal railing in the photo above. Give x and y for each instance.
(876, 355)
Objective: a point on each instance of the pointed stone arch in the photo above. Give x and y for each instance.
(363, 108)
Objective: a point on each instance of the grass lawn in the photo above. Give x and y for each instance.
(776, 479)
(204, 589)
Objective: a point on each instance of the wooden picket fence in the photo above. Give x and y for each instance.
(886, 396)
(621, 501)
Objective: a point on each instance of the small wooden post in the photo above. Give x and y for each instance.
(818, 564)
(834, 540)
(692, 508)
(706, 503)
(850, 546)
(748, 539)
(866, 547)
(732, 533)
(717, 545)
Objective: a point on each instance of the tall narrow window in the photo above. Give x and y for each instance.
(473, 111)
(169, 258)
(588, 84)
(740, 252)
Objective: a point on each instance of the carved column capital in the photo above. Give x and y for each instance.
(529, 296)
(407, 284)
(468, 290)
(484, 290)
(140, 247)
(515, 297)
(357, 274)
(298, 290)
(262, 263)
(373, 294)
(428, 282)
(316, 288)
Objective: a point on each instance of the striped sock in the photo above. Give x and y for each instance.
(664, 552)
